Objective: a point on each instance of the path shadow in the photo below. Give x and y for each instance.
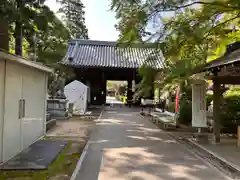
(133, 148)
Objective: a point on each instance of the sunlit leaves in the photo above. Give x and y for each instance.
(192, 33)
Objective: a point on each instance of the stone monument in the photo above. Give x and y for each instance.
(56, 105)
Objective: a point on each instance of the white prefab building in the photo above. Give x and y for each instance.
(23, 95)
(78, 94)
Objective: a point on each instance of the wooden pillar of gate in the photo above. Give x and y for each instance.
(129, 92)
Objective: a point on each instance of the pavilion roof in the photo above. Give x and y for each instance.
(232, 56)
(88, 53)
(224, 60)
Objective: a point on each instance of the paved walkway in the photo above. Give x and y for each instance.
(112, 100)
(126, 146)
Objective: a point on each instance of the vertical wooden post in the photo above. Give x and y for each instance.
(129, 91)
(216, 111)
(104, 88)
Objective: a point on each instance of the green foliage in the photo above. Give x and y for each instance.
(171, 107)
(185, 105)
(35, 29)
(230, 110)
(35, 18)
(185, 112)
(146, 87)
(193, 31)
(131, 23)
(209, 99)
(74, 18)
(233, 91)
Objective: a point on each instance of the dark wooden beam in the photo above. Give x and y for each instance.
(216, 109)
(129, 91)
(234, 80)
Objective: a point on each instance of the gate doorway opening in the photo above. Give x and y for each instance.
(116, 92)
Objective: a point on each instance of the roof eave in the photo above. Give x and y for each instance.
(17, 59)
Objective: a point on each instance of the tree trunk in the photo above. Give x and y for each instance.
(18, 32)
(4, 35)
(18, 39)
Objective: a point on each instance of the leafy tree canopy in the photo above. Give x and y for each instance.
(188, 32)
(34, 29)
(73, 11)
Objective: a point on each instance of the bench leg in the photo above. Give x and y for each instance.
(153, 120)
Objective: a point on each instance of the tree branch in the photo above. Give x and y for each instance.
(175, 8)
(220, 24)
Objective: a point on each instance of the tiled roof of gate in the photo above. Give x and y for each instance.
(88, 53)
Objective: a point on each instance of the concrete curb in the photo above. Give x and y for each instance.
(84, 152)
(215, 155)
(227, 176)
(80, 161)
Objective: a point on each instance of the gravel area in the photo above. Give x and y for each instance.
(72, 129)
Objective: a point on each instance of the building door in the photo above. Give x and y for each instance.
(24, 117)
(12, 120)
(33, 124)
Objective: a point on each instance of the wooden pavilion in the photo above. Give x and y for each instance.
(224, 70)
(95, 62)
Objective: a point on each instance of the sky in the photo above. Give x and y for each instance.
(100, 20)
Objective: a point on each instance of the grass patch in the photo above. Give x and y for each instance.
(63, 167)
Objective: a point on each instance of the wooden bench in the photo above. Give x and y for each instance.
(147, 103)
(162, 119)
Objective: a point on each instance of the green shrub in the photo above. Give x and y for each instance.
(185, 106)
(185, 112)
(209, 99)
(230, 111)
(171, 107)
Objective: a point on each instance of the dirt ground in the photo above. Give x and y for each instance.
(74, 129)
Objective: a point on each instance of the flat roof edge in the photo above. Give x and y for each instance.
(17, 59)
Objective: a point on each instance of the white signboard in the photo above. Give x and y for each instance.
(77, 93)
(199, 118)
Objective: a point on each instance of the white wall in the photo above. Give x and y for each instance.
(27, 83)
(12, 123)
(2, 77)
(35, 97)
